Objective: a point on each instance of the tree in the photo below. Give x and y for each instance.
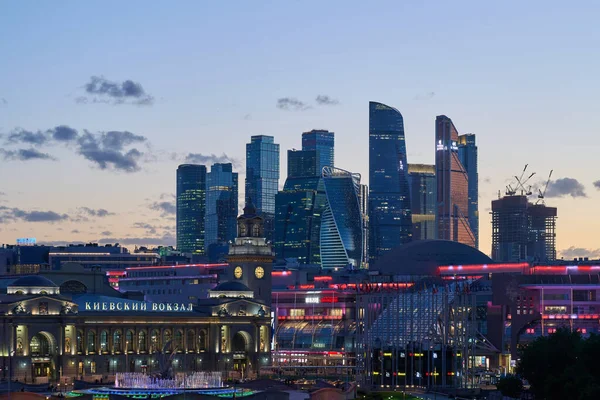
(562, 366)
(510, 386)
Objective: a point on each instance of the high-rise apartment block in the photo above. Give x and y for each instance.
(467, 153)
(262, 178)
(221, 209)
(452, 186)
(191, 208)
(321, 141)
(390, 218)
(523, 231)
(423, 200)
(363, 200)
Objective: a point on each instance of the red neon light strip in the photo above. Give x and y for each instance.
(179, 266)
(323, 278)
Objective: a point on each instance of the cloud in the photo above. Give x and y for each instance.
(597, 184)
(576, 252)
(106, 233)
(3, 101)
(152, 229)
(63, 133)
(291, 104)
(166, 208)
(108, 150)
(100, 212)
(198, 158)
(101, 90)
(247, 117)
(487, 179)
(75, 231)
(565, 187)
(8, 214)
(28, 137)
(425, 96)
(24, 155)
(165, 240)
(325, 100)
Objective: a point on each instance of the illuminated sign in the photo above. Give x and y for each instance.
(26, 241)
(137, 306)
(313, 300)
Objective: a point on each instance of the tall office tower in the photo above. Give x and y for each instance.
(422, 200)
(221, 209)
(390, 219)
(452, 186)
(341, 228)
(302, 163)
(467, 153)
(262, 178)
(191, 208)
(323, 142)
(523, 231)
(298, 209)
(363, 199)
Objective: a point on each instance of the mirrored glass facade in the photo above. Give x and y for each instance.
(262, 177)
(303, 163)
(321, 141)
(452, 186)
(390, 218)
(423, 199)
(467, 153)
(221, 206)
(341, 227)
(191, 208)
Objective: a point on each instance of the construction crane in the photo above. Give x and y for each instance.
(521, 183)
(541, 194)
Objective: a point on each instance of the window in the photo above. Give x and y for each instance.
(91, 342)
(117, 339)
(297, 312)
(80, 341)
(178, 340)
(555, 309)
(167, 336)
(154, 341)
(556, 296)
(190, 342)
(129, 341)
(584, 295)
(104, 341)
(142, 341)
(202, 341)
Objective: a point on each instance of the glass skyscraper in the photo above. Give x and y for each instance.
(341, 227)
(363, 198)
(322, 141)
(467, 153)
(302, 163)
(423, 198)
(452, 186)
(390, 218)
(221, 209)
(262, 178)
(191, 208)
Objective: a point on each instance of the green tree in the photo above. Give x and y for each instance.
(510, 386)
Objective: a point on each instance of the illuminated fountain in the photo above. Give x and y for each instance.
(195, 380)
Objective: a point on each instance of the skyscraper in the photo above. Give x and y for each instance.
(363, 199)
(522, 231)
(322, 141)
(191, 208)
(302, 163)
(341, 227)
(390, 219)
(467, 153)
(423, 200)
(262, 178)
(452, 186)
(221, 209)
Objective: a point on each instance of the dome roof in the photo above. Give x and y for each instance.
(232, 286)
(423, 257)
(33, 281)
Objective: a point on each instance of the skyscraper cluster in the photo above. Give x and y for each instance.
(323, 215)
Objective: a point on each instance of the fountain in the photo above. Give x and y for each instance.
(194, 380)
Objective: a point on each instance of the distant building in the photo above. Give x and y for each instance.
(523, 231)
(467, 153)
(221, 209)
(321, 141)
(452, 186)
(302, 163)
(363, 199)
(423, 200)
(262, 178)
(390, 219)
(191, 208)
(341, 238)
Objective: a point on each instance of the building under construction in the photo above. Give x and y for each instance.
(523, 231)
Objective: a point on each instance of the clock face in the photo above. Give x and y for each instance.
(237, 272)
(259, 272)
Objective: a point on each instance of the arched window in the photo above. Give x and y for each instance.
(142, 341)
(167, 336)
(178, 340)
(202, 341)
(91, 342)
(104, 341)
(73, 287)
(190, 342)
(80, 341)
(129, 340)
(154, 341)
(117, 339)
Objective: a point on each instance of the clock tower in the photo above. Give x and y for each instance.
(251, 256)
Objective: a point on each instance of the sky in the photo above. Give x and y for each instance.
(101, 100)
